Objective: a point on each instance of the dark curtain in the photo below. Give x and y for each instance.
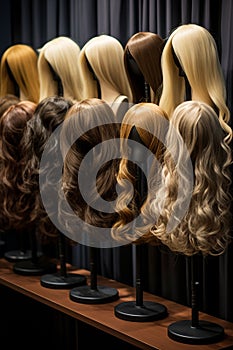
(35, 22)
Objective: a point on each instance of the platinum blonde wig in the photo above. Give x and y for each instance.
(105, 55)
(60, 55)
(206, 224)
(19, 67)
(196, 51)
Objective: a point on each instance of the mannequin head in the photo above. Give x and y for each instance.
(142, 59)
(82, 116)
(58, 69)
(196, 51)
(145, 123)
(206, 224)
(16, 193)
(19, 74)
(105, 55)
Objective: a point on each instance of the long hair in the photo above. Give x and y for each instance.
(197, 54)
(205, 226)
(59, 56)
(151, 124)
(146, 49)
(105, 55)
(48, 116)
(16, 192)
(19, 71)
(6, 101)
(93, 119)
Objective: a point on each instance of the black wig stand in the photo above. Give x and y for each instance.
(36, 265)
(195, 331)
(19, 254)
(139, 310)
(93, 293)
(61, 279)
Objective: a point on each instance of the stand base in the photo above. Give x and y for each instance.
(30, 268)
(2, 246)
(19, 255)
(205, 333)
(149, 311)
(86, 295)
(57, 281)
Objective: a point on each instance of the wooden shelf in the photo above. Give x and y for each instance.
(142, 335)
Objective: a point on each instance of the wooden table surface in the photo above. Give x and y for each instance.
(144, 335)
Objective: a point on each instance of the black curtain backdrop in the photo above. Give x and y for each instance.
(34, 22)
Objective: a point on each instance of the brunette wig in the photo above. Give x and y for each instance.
(16, 189)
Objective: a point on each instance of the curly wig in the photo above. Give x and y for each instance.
(151, 124)
(16, 191)
(206, 223)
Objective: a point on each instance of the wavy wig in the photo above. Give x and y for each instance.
(16, 190)
(146, 49)
(205, 225)
(151, 124)
(19, 74)
(58, 62)
(93, 120)
(48, 116)
(197, 53)
(7, 101)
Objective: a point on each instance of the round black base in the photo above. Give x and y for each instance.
(205, 333)
(18, 255)
(149, 311)
(86, 295)
(30, 268)
(57, 281)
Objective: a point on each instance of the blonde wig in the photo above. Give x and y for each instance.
(19, 71)
(16, 191)
(146, 49)
(49, 114)
(105, 55)
(82, 117)
(59, 57)
(206, 224)
(151, 123)
(196, 51)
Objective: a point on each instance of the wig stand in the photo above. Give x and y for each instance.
(36, 265)
(139, 310)
(61, 279)
(93, 293)
(195, 331)
(20, 254)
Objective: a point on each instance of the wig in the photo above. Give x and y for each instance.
(48, 115)
(104, 54)
(151, 124)
(58, 60)
(19, 74)
(206, 224)
(16, 191)
(93, 119)
(146, 49)
(196, 51)
(7, 101)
